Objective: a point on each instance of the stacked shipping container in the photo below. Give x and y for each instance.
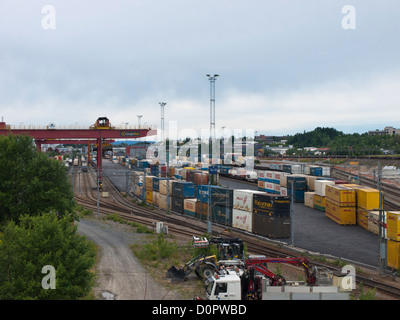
(340, 204)
(393, 236)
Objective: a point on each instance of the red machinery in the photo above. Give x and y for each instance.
(251, 283)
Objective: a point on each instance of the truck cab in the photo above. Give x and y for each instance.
(224, 286)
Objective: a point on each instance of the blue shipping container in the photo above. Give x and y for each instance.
(156, 183)
(183, 189)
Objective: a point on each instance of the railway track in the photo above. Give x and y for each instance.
(391, 190)
(185, 227)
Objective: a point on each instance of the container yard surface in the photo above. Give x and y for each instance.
(313, 231)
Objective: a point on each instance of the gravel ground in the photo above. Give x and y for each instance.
(119, 274)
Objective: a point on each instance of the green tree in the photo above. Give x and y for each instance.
(39, 241)
(31, 182)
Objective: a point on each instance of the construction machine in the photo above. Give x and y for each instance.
(230, 252)
(252, 282)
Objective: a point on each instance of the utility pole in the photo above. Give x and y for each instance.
(381, 240)
(98, 193)
(291, 215)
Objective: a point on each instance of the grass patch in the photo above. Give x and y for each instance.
(160, 253)
(82, 212)
(139, 227)
(366, 295)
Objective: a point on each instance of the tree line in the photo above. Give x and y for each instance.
(37, 214)
(340, 143)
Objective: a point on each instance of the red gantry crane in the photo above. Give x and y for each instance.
(99, 132)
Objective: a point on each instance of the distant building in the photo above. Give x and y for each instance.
(385, 131)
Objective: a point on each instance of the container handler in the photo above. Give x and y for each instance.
(230, 252)
(255, 281)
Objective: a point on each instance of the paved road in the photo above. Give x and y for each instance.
(120, 276)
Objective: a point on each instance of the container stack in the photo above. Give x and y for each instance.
(340, 205)
(269, 181)
(393, 239)
(181, 190)
(156, 190)
(242, 213)
(271, 215)
(163, 193)
(367, 200)
(149, 189)
(299, 187)
(220, 199)
(319, 197)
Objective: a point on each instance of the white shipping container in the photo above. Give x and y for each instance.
(277, 175)
(309, 199)
(242, 220)
(163, 186)
(190, 204)
(156, 198)
(373, 222)
(262, 174)
(296, 168)
(326, 171)
(162, 201)
(283, 191)
(269, 186)
(320, 186)
(243, 199)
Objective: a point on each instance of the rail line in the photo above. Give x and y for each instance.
(185, 227)
(391, 190)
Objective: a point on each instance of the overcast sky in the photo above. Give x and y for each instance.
(285, 66)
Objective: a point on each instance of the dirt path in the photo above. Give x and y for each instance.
(120, 276)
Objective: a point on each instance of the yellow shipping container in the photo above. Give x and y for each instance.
(393, 225)
(339, 214)
(368, 199)
(393, 254)
(362, 217)
(341, 195)
(149, 182)
(319, 202)
(261, 184)
(149, 196)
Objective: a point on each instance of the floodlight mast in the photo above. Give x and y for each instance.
(212, 104)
